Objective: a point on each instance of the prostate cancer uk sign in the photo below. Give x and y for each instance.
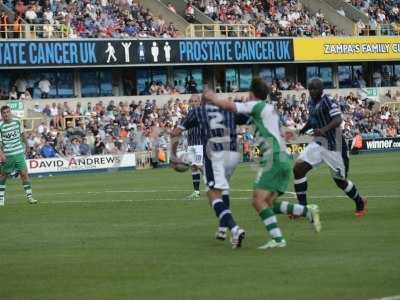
(80, 163)
(99, 52)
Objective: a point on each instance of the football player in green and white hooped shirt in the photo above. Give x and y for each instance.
(275, 165)
(12, 153)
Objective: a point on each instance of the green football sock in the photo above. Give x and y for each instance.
(288, 208)
(28, 189)
(271, 223)
(2, 188)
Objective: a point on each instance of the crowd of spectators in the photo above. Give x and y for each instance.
(368, 118)
(144, 126)
(363, 116)
(177, 88)
(26, 88)
(270, 18)
(104, 129)
(380, 13)
(90, 19)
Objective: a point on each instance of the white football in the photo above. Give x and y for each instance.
(184, 163)
(182, 167)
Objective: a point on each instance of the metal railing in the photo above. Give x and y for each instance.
(394, 105)
(34, 31)
(381, 30)
(220, 30)
(30, 124)
(143, 160)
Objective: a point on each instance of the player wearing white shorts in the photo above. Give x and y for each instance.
(195, 152)
(221, 156)
(195, 155)
(328, 147)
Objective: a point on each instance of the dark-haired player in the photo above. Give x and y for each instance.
(195, 151)
(328, 146)
(221, 156)
(12, 153)
(275, 165)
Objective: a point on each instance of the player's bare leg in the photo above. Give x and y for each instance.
(27, 186)
(224, 214)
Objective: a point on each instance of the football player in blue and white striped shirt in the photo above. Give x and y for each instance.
(221, 156)
(328, 146)
(195, 151)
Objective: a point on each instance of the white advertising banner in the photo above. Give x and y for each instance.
(80, 163)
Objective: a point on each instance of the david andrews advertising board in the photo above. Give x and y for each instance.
(81, 163)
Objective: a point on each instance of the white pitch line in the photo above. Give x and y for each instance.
(291, 194)
(396, 297)
(176, 200)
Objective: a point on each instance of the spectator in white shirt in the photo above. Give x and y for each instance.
(21, 86)
(54, 114)
(30, 15)
(37, 108)
(44, 86)
(341, 12)
(48, 15)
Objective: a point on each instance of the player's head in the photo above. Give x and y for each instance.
(195, 99)
(259, 89)
(5, 113)
(316, 88)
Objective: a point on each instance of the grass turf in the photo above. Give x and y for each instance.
(130, 235)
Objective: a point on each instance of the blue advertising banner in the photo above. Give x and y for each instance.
(74, 53)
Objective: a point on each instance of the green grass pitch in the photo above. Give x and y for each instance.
(130, 235)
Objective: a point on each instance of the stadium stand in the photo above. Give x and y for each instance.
(270, 18)
(123, 127)
(382, 16)
(88, 19)
(129, 125)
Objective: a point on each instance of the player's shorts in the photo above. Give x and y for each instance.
(195, 155)
(274, 177)
(219, 169)
(14, 163)
(314, 154)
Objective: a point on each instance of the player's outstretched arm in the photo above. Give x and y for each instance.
(225, 104)
(305, 128)
(2, 157)
(175, 137)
